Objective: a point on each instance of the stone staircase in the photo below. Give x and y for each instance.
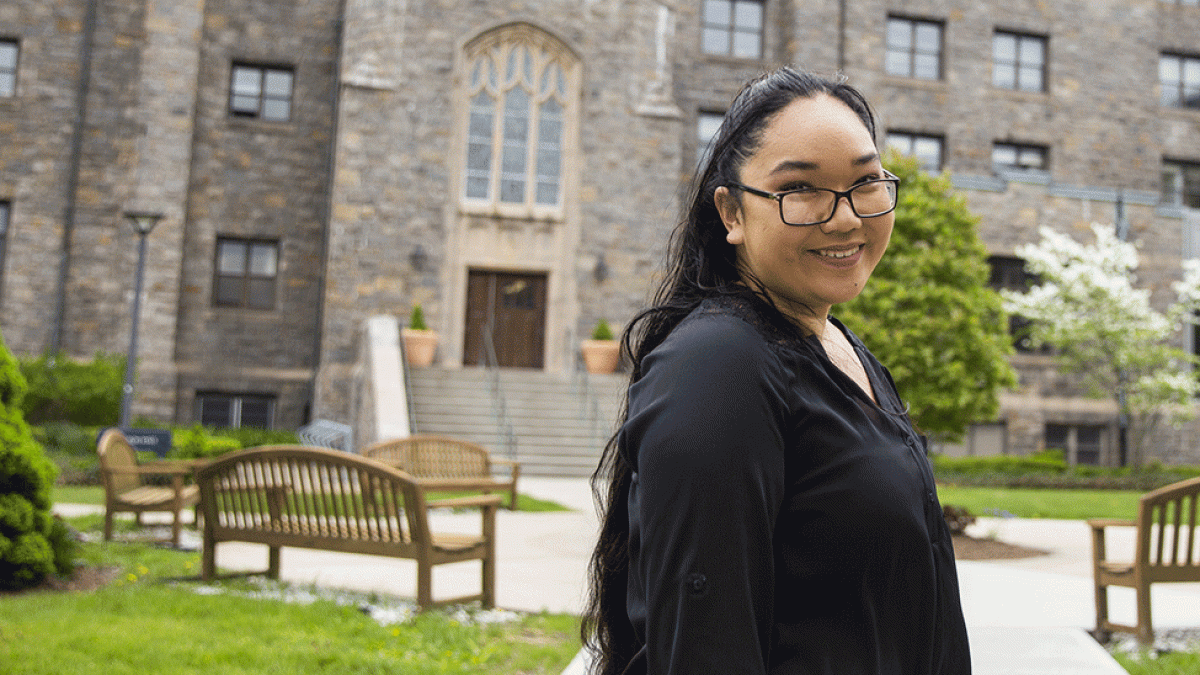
(560, 422)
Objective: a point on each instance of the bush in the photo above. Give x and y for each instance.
(33, 544)
(1049, 470)
(249, 437)
(196, 443)
(65, 390)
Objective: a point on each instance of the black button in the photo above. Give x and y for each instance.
(932, 497)
(696, 583)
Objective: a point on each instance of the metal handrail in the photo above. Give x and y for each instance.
(408, 394)
(499, 405)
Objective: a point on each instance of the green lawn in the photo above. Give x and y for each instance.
(148, 621)
(1039, 503)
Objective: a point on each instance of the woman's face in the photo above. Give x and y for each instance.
(813, 142)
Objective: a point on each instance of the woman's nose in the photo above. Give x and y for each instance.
(844, 218)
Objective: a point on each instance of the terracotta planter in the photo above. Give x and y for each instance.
(601, 356)
(419, 346)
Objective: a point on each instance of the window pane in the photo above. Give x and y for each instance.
(8, 55)
(747, 45)
(1031, 52)
(262, 260)
(716, 41)
(929, 38)
(256, 412)
(929, 151)
(516, 140)
(247, 81)
(1031, 79)
(216, 411)
(549, 152)
(926, 67)
(261, 293)
(718, 12)
(1004, 155)
(1004, 48)
(276, 110)
(1004, 76)
(899, 34)
(229, 290)
(748, 15)
(8, 84)
(278, 84)
(1168, 70)
(898, 63)
(246, 105)
(231, 257)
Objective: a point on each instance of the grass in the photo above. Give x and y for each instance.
(1175, 663)
(149, 621)
(1042, 503)
(79, 494)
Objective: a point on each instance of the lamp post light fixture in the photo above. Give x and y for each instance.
(143, 222)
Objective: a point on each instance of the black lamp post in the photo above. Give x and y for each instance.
(142, 223)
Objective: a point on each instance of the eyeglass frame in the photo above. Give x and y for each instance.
(888, 177)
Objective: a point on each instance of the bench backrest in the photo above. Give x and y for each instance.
(1167, 528)
(115, 452)
(431, 456)
(306, 492)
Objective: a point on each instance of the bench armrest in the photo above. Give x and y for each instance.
(1101, 523)
(465, 502)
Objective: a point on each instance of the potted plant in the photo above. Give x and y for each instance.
(601, 353)
(420, 343)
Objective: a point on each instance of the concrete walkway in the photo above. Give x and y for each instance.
(1024, 617)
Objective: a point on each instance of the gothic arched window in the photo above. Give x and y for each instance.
(520, 86)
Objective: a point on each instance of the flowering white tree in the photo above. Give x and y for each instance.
(1104, 329)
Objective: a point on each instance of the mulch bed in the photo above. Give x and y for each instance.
(971, 548)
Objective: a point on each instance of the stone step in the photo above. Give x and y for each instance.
(560, 422)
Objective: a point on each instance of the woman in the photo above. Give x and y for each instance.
(770, 508)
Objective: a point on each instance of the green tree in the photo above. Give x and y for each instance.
(62, 389)
(928, 313)
(33, 544)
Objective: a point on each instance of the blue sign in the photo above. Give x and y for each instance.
(157, 441)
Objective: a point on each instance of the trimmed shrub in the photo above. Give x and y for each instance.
(33, 544)
(1049, 470)
(248, 437)
(87, 393)
(196, 443)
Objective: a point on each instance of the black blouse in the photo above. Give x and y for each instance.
(780, 521)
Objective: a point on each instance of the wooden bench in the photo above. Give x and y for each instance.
(1167, 551)
(126, 490)
(317, 498)
(442, 463)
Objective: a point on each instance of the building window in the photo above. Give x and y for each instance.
(233, 411)
(1009, 273)
(914, 48)
(1080, 443)
(1180, 79)
(261, 92)
(733, 28)
(1020, 157)
(708, 124)
(1193, 3)
(1181, 184)
(521, 102)
(246, 273)
(927, 149)
(9, 50)
(1019, 61)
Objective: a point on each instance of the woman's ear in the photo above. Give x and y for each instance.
(731, 215)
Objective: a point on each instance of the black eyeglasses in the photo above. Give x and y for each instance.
(814, 206)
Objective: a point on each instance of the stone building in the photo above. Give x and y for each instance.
(519, 165)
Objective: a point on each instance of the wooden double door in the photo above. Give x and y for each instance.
(512, 305)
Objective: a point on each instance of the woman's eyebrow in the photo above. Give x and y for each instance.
(801, 165)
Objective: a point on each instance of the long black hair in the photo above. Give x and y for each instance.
(701, 264)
